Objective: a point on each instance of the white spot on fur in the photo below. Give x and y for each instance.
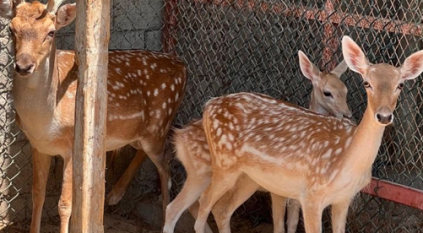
(327, 154)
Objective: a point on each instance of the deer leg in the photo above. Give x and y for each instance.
(119, 189)
(312, 213)
(190, 193)
(222, 211)
(221, 183)
(165, 183)
(293, 215)
(41, 167)
(164, 174)
(193, 209)
(278, 212)
(339, 216)
(65, 201)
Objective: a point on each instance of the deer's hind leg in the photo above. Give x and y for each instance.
(221, 183)
(119, 189)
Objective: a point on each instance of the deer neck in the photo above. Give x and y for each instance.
(315, 105)
(362, 151)
(35, 95)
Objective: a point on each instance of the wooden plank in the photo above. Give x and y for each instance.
(395, 192)
(92, 32)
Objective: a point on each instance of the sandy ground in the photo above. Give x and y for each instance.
(117, 224)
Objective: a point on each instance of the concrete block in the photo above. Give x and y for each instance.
(153, 40)
(127, 40)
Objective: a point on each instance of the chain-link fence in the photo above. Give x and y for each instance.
(244, 45)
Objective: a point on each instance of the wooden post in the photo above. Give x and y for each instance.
(92, 38)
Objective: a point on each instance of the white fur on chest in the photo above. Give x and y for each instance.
(44, 134)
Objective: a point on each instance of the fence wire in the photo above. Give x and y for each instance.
(243, 45)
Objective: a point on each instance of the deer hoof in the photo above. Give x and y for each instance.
(114, 197)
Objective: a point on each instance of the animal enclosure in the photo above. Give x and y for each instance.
(248, 45)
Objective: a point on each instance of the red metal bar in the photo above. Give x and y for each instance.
(170, 26)
(355, 20)
(395, 192)
(330, 41)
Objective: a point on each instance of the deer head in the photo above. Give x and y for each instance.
(329, 92)
(33, 26)
(383, 82)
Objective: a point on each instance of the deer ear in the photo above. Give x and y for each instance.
(7, 8)
(308, 68)
(354, 56)
(65, 15)
(412, 66)
(340, 69)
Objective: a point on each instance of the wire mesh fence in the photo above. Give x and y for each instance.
(244, 45)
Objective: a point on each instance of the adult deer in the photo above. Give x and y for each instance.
(318, 160)
(327, 97)
(144, 92)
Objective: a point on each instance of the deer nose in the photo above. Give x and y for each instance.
(348, 114)
(24, 64)
(385, 119)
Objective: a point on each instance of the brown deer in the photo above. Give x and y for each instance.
(295, 153)
(144, 91)
(328, 96)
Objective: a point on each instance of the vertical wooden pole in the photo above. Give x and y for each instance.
(92, 38)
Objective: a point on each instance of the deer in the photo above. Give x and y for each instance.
(144, 91)
(298, 154)
(328, 97)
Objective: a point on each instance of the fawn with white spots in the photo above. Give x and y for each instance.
(294, 153)
(144, 91)
(328, 96)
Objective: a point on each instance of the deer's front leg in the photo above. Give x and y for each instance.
(293, 215)
(41, 167)
(278, 213)
(312, 213)
(223, 209)
(339, 216)
(65, 202)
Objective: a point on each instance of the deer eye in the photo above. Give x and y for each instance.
(327, 94)
(400, 86)
(51, 33)
(366, 84)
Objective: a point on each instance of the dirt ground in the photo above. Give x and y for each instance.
(117, 224)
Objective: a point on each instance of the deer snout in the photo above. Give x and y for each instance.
(348, 114)
(24, 64)
(384, 116)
